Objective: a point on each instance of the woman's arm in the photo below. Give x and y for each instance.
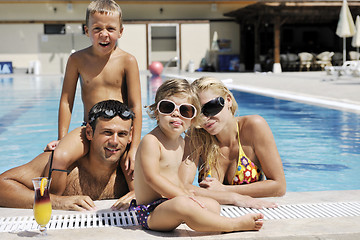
(187, 172)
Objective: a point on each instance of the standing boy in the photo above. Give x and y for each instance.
(105, 72)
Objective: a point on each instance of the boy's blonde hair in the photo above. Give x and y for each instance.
(203, 144)
(170, 88)
(103, 7)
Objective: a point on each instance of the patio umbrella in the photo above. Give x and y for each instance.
(214, 43)
(356, 38)
(346, 26)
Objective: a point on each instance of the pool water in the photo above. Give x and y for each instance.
(319, 147)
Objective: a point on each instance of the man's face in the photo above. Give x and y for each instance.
(110, 138)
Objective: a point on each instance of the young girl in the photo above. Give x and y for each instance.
(163, 203)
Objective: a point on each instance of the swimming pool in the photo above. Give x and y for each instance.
(320, 147)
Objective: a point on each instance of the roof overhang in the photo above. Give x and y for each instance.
(292, 12)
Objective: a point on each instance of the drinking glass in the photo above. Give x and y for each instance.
(42, 204)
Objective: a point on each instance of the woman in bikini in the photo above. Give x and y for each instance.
(232, 154)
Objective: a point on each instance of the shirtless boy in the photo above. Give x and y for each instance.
(105, 72)
(97, 175)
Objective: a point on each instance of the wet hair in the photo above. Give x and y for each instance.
(172, 87)
(103, 7)
(109, 109)
(204, 144)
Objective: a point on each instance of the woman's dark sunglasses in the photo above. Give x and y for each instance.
(168, 107)
(213, 107)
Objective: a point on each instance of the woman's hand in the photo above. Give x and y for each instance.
(213, 184)
(249, 202)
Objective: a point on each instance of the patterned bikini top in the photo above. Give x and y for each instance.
(246, 171)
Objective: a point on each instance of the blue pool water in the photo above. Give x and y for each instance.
(319, 147)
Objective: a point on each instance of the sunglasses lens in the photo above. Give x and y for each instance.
(166, 107)
(213, 107)
(187, 111)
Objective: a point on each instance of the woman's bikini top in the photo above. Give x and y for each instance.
(246, 171)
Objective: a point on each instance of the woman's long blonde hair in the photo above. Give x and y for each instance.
(203, 144)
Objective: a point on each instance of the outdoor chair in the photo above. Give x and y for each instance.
(292, 61)
(324, 59)
(337, 59)
(306, 60)
(354, 56)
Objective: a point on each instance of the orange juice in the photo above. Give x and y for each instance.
(42, 207)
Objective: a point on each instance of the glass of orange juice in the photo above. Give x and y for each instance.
(42, 204)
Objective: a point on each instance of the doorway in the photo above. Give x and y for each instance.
(163, 44)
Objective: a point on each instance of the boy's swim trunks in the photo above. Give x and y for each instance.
(143, 211)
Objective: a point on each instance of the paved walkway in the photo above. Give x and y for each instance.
(311, 87)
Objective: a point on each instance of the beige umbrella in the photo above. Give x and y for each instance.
(214, 43)
(346, 26)
(356, 38)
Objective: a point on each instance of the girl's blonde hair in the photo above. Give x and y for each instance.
(103, 7)
(170, 88)
(203, 144)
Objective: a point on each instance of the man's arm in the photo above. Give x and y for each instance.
(16, 188)
(70, 149)
(67, 96)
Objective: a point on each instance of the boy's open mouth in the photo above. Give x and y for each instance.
(104, 44)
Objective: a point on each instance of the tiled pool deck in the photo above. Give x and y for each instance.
(306, 86)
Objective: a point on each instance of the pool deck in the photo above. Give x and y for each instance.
(344, 228)
(315, 87)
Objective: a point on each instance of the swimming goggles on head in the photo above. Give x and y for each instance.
(168, 107)
(124, 114)
(213, 107)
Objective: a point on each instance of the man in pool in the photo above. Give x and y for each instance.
(97, 175)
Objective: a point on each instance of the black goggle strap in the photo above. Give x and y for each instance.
(54, 169)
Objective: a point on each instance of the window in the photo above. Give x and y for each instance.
(54, 29)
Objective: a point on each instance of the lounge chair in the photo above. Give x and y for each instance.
(349, 68)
